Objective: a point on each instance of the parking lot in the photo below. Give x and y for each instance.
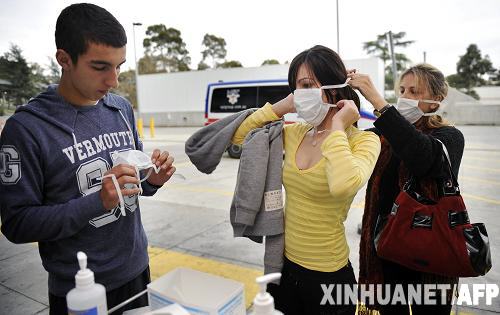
(187, 223)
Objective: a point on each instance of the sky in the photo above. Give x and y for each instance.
(257, 30)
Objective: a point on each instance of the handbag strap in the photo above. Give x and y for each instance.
(448, 187)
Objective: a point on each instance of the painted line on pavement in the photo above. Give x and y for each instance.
(489, 169)
(162, 261)
(182, 164)
(479, 180)
(481, 159)
(484, 199)
(198, 189)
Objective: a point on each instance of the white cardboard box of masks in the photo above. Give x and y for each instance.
(198, 292)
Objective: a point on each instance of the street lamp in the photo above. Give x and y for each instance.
(139, 118)
(338, 32)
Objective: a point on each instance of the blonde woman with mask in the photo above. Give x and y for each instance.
(410, 134)
(327, 160)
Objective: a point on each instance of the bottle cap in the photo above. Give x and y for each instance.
(263, 303)
(84, 277)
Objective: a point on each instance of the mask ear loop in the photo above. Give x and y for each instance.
(156, 169)
(138, 175)
(118, 190)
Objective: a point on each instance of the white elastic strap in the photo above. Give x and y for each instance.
(118, 190)
(431, 101)
(336, 86)
(138, 175)
(150, 171)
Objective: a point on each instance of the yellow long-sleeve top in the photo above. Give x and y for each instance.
(318, 199)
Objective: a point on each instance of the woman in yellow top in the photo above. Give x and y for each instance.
(327, 160)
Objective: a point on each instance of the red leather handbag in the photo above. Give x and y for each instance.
(433, 236)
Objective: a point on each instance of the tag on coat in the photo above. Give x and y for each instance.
(273, 200)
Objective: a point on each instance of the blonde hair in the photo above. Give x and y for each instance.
(430, 79)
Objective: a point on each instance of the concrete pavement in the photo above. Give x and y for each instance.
(187, 223)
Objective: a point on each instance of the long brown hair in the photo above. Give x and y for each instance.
(328, 68)
(429, 78)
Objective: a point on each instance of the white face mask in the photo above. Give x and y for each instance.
(309, 103)
(408, 108)
(138, 159)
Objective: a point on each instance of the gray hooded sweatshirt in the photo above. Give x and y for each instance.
(257, 206)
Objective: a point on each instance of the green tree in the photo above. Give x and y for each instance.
(126, 87)
(203, 66)
(380, 49)
(166, 49)
(214, 50)
(38, 80)
(54, 71)
(270, 62)
(15, 69)
(495, 80)
(471, 71)
(148, 64)
(230, 64)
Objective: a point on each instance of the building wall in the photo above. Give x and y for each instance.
(178, 99)
(488, 95)
(462, 109)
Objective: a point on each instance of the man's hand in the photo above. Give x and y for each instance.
(125, 174)
(164, 161)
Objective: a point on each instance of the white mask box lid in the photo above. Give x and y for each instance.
(198, 292)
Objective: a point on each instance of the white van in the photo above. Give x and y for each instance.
(225, 98)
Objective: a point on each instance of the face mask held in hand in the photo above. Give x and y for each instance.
(140, 160)
(309, 103)
(408, 108)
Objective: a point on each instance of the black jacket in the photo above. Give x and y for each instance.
(421, 153)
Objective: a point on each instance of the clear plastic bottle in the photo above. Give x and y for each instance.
(263, 304)
(87, 297)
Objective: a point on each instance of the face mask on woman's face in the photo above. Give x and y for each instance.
(309, 103)
(409, 109)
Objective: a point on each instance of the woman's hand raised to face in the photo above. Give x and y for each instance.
(347, 115)
(364, 84)
(284, 106)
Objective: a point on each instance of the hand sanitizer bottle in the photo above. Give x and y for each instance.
(87, 297)
(263, 304)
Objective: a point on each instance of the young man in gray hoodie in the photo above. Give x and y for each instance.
(54, 152)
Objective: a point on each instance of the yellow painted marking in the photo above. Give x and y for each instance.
(162, 261)
(479, 180)
(496, 170)
(484, 199)
(198, 189)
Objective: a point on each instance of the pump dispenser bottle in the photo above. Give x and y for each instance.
(87, 297)
(263, 304)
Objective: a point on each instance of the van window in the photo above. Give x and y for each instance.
(233, 99)
(272, 94)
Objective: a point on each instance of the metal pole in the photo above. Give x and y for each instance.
(338, 36)
(136, 71)
(425, 57)
(391, 50)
